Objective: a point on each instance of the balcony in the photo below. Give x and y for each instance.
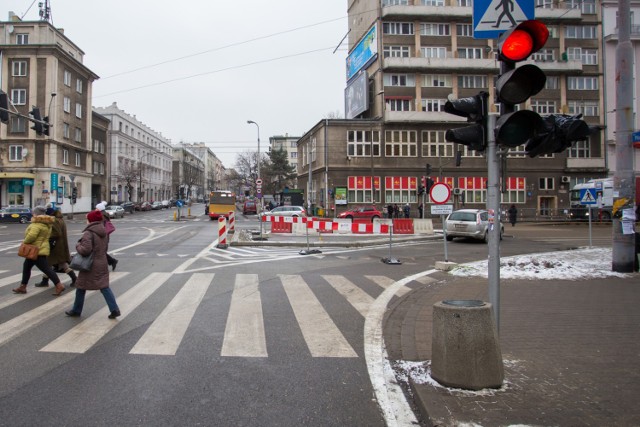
(420, 12)
(445, 65)
(559, 15)
(634, 35)
(585, 164)
(421, 117)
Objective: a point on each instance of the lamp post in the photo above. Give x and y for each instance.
(258, 172)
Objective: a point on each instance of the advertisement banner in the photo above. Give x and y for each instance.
(341, 195)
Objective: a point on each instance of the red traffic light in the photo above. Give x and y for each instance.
(521, 41)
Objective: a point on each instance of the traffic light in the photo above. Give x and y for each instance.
(475, 110)
(45, 125)
(516, 85)
(458, 158)
(428, 184)
(561, 131)
(421, 186)
(37, 120)
(4, 107)
(74, 195)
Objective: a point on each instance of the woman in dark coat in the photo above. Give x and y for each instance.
(513, 215)
(94, 240)
(59, 256)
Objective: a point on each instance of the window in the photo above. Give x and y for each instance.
(361, 142)
(586, 108)
(433, 2)
(397, 28)
(399, 104)
(434, 144)
(433, 105)
(429, 29)
(464, 30)
(546, 184)
(465, 3)
(394, 3)
(15, 153)
(434, 52)
(580, 150)
(553, 82)
(436, 80)
(66, 104)
(583, 83)
(79, 86)
(587, 7)
(22, 38)
(580, 31)
(18, 124)
(584, 55)
(19, 68)
(400, 143)
(67, 78)
(472, 82)
(79, 110)
(470, 52)
(399, 80)
(543, 107)
(78, 160)
(544, 4)
(544, 55)
(19, 96)
(396, 51)
(65, 157)
(66, 133)
(78, 135)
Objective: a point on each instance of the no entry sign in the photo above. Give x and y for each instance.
(440, 193)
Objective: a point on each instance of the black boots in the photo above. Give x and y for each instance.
(73, 276)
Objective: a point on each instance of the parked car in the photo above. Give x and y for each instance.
(144, 206)
(156, 206)
(128, 206)
(249, 207)
(369, 212)
(297, 211)
(166, 204)
(115, 211)
(15, 214)
(471, 223)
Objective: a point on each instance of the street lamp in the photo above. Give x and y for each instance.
(258, 170)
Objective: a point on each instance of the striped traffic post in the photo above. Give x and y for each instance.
(232, 222)
(222, 233)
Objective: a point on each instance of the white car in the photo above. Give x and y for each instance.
(471, 223)
(297, 211)
(114, 211)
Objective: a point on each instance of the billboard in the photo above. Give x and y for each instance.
(365, 52)
(356, 96)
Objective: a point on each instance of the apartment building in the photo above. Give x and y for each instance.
(406, 58)
(40, 67)
(215, 175)
(141, 159)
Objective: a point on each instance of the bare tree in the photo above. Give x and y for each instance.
(334, 115)
(130, 174)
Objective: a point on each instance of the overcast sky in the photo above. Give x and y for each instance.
(197, 70)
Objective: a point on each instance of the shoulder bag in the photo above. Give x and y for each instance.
(28, 251)
(82, 263)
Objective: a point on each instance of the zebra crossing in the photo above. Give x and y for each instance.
(244, 332)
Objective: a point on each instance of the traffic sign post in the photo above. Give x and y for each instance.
(588, 197)
(440, 194)
(492, 17)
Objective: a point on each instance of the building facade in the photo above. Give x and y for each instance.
(140, 159)
(188, 179)
(420, 53)
(40, 67)
(214, 171)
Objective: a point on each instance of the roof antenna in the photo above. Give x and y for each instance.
(45, 11)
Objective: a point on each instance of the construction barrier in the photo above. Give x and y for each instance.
(403, 226)
(222, 233)
(283, 224)
(232, 222)
(423, 226)
(281, 227)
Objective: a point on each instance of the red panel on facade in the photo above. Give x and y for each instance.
(352, 182)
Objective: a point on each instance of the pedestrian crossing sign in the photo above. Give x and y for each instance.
(588, 196)
(493, 17)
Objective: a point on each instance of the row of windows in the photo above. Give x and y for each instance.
(444, 30)
(585, 6)
(403, 143)
(19, 69)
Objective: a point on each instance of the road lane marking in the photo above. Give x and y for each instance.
(384, 282)
(244, 334)
(358, 298)
(84, 336)
(165, 334)
(322, 336)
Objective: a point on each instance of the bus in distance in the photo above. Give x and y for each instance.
(220, 204)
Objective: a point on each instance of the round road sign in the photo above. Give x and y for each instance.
(440, 193)
(258, 181)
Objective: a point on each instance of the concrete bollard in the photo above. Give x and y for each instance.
(465, 349)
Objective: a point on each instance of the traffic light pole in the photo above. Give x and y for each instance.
(493, 206)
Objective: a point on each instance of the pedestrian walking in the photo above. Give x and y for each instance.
(513, 215)
(390, 210)
(407, 210)
(420, 208)
(110, 228)
(59, 256)
(396, 210)
(37, 234)
(94, 241)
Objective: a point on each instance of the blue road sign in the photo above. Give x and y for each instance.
(493, 17)
(635, 136)
(588, 196)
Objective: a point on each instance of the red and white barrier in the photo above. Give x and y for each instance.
(222, 233)
(232, 222)
(286, 219)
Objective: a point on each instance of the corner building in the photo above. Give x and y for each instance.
(405, 58)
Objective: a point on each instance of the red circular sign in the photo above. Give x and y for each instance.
(440, 193)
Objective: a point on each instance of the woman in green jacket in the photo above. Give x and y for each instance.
(38, 233)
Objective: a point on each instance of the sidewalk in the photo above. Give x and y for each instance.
(570, 350)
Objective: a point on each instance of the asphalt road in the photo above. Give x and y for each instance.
(208, 336)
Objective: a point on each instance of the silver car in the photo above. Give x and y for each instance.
(471, 223)
(298, 211)
(114, 211)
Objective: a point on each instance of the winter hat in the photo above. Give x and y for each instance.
(50, 211)
(38, 210)
(94, 216)
(101, 206)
